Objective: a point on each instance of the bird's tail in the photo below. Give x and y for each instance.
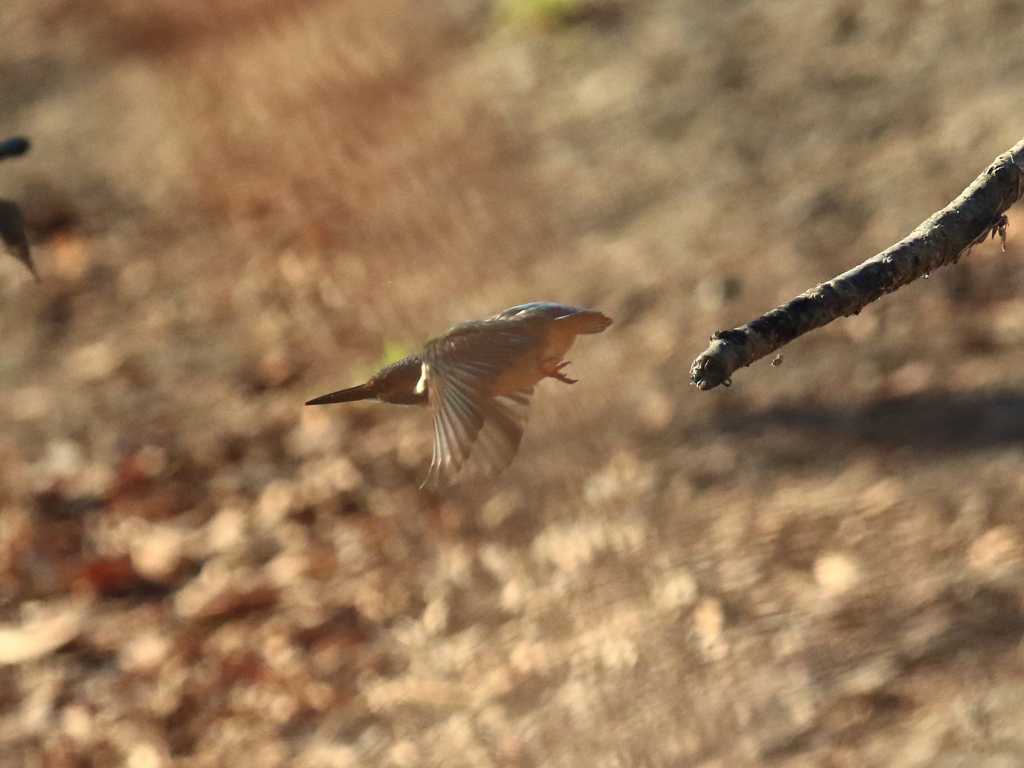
(362, 392)
(590, 322)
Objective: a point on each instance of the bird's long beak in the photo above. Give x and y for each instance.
(362, 392)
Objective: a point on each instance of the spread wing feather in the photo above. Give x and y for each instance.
(499, 438)
(461, 368)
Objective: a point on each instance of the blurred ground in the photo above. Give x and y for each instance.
(240, 205)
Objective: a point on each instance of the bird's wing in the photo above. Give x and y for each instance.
(499, 438)
(461, 369)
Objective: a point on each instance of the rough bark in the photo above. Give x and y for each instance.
(940, 240)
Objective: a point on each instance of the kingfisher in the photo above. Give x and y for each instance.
(12, 222)
(477, 379)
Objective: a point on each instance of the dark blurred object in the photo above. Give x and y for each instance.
(12, 223)
(12, 231)
(48, 212)
(14, 146)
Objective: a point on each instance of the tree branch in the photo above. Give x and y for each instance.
(942, 239)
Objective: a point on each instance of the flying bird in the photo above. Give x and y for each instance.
(478, 379)
(12, 223)
(14, 146)
(12, 234)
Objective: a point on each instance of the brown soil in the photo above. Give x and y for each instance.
(237, 206)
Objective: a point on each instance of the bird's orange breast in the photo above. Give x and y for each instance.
(559, 338)
(527, 370)
(522, 373)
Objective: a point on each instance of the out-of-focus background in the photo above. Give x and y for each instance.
(239, 205)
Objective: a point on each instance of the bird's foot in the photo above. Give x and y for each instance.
(556, 373)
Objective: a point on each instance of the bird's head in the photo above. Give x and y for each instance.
(400, 383)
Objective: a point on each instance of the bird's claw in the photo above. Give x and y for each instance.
(556, 373)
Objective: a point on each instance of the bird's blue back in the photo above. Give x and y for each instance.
(536, 310)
